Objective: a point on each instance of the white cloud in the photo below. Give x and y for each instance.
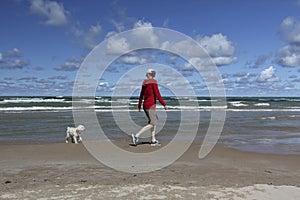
(104, 87)
(290, 30)
(143, 32)
(242, 77)
(72, 64)
(222, 61)
(268, 75)
(139, 57)
(287, 22)
(141, 35)
(91, 37)
(14, 64)
(15, 52)
(118, 25)
(19, 64)
(200, 63)
(219, 48)
(133, 60)
(217, 45)
(88, 39)
(11, 59)
(289, 56)
(116, 45)
(104, 84)
(186, 46)
(54, 12)
(260, 61)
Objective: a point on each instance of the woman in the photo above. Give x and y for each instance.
(149, 94)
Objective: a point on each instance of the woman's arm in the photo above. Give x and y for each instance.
(158, 96)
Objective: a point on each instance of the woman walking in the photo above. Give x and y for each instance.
(149, 94)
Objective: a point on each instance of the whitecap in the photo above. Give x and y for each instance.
(238, 104)
(271, 117)
(262, 104)
(32, 100)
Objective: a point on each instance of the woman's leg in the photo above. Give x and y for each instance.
(153, 129)
(144, 129)
(152, 119)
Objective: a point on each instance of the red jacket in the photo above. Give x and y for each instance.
(150, 93)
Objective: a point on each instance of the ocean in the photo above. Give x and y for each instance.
(255, 124)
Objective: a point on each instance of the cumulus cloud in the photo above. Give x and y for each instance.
(72, 64)
(268, 75)
(222, 61)
(91, 37)
(105, 87)
(187, 46)
(139, 57)
(243, 77)
(260, 61)
(12, 59)
(116, 45)
(217, 45)
(15, 52)
(18, 64)
(219, 48)
(143, 32)
(290, 30)
(38, 86)
(133, 60)
(188, 67)
(88, 39)
(289, 55)
(54, 12)
(118, 25)
(58, 78)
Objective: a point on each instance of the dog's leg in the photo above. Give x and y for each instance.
(67, 138)
(75, 139)
(80, 139)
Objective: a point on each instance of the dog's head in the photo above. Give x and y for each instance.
(80, 128)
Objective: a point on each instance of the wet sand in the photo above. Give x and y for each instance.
(68, 171)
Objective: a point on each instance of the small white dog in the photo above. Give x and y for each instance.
(74, 134)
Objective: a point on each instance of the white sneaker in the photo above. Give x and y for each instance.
(134, 139)
(156, 143)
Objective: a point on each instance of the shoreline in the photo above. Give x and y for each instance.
(122, 142)
(68, 170)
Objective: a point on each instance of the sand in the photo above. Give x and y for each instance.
(68, 171)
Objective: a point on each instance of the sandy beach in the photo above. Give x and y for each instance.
(68, 171)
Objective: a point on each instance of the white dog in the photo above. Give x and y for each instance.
(74, 134)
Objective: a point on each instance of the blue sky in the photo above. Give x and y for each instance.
(255, 44)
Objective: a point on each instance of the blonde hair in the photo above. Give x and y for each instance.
(151, 72)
